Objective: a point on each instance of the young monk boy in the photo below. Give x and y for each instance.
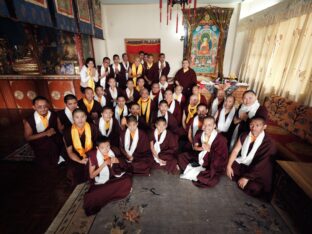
(109, 182)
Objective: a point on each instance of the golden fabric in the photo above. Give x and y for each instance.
(135, 71)
(191, 112)
(88, 104)
(76, 139)
(91, 83)
(107, 125)
(44, 120)
(145, 107)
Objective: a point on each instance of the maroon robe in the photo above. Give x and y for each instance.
(115, 133)
(244, 125)
(165, 71)
(142, 158)
(172, 124)
(215, 161)
(114, 189)
(110, 98)
(64, 119)
(187, 80)
(97, 108)
(120, 76)
(47, 149)
(260, 171)
(136, 96)
(168, 149)
(77, 172)
(154, 108)
(152, 73)
(177, 113)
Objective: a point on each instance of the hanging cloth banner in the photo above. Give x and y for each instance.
(97, 19)
(84, 17)
(64, 15)
(33, 12)
(3, 9)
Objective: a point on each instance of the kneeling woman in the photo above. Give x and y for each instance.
(79, 140)
(164, 145)
(109, 181)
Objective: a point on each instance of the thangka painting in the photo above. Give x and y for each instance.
(204, 48)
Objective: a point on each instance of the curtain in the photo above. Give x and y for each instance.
(278, 58)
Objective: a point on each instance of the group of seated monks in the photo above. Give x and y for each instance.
(123, 128)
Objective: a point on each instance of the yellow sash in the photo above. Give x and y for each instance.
(135, 73)
(44, 120)
(91, 83)
(107, 125)
(76, 139)
(88, 105)
(191, 112)
(145, 107)
(120, 111)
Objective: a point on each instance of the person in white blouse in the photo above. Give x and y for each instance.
(88, 75)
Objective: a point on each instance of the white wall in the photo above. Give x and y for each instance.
(142, 21)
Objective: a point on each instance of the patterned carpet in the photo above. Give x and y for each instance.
(22, 154)
(166, 204)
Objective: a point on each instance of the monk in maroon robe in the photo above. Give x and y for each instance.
(90, 106)
(150, 72)
(105, 73)
(224, 117)
(164, 85)
(109, 182)
(211, 155)
(164, 146)
(163, 67)
(190, 111)
(134, 146)
(171, 122)
(217, 103)
(130, 93)
(108, 126)
(119, 72)
(66, 116)
(42, 131)
(202, 99)
(112, 92)
(178, 96)
(135, 111)
(147, 106)
(251, 160)
(186, 77)
(79, 140)
(156, 94)
(126, 65)
(173, 106)
(245, 112)
(196, 123)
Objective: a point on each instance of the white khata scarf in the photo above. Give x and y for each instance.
(224, 124)
(191, 173)
(69, 115)
(247, 159)
(102, 102)
(39, 125)
(163, 86)
(124, 113)
(252, 109)
(102, 127)
(128, 149)
(103, 177)
(160, 115)
(177, 97)
(172, 106)
(158, 142)
(214, 106)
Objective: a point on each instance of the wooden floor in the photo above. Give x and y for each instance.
(30, 199)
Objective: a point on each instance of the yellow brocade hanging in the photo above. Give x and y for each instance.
(191, 112)
(76, 139)
(135, 72)
(88, 105)
(145, 107)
